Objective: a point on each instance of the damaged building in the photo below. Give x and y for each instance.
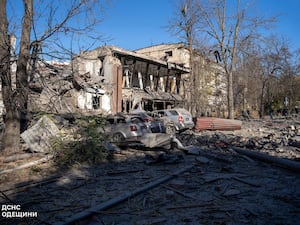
(121, 80)
(109, 79)
(210, 77)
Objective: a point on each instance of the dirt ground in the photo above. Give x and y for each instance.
(209, 183)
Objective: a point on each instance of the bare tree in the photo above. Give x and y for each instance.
(15, 101)
(274, 66)
(183, 25)
(267, 74)
(289, 85)
(227, 31)
(47, 31)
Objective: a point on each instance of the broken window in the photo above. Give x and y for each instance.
(135, 80)
(126, 78)
(169, 53)
(96, 102)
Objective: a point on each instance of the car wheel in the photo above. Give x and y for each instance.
(118, 137)
(170, 129)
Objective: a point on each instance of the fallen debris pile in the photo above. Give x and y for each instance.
(38, 137)
(276, 138)
(138, 186)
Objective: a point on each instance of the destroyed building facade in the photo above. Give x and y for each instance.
(121, 80)
(109, 79)
(210, 78)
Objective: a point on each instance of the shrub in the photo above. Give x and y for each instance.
(84, 143)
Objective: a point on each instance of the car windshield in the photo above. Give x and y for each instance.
(144, 116)
(173, 112)
(136, 120)
(183, 111)
(115, 120)
(153, 114)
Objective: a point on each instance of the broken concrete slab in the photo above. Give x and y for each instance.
(202, 160)
(192, 150)
(163, 158)
(38, 137)
(111, 147)
(231, 192)
(154, 140)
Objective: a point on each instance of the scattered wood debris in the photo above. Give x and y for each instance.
(206, 179)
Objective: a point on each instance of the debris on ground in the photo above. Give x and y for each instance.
(38, 137)
(151, 140)
(216, 182)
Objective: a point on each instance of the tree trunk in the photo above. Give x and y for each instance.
(8, 138)
(11, 135)
(230, 96)
(15, 101)
(192, 78)
(24, 56)
(261, 109)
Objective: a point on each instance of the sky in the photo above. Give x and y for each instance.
(134, 24)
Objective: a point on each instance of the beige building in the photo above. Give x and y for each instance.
(211, 88)
(110, 79)
(173, 53)
(129, 80)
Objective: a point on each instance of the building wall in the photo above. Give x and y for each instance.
(174, 53)
(104, 73)
(210, 78)
(120, 69)
(117, 88)
(88, 62)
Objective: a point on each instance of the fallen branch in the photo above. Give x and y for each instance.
(105, 205)
(191, 206)
(209, 178)
(243, 156)
(31, 183)
(27, 165)
(281, 162)
(181, 193)
(19, 157)
(6, 197)
(246, 182)
(118, 172)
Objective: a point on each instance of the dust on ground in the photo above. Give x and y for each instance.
(219, 185)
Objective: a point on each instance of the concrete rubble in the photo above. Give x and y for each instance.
(215, 184)
(38, 137)
(154, 140)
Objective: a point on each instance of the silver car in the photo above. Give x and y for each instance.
(181, 118)
(155, 123)
(167, 126)
(124, 129)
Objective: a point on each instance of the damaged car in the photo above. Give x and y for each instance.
(123, 129)
(156, 123)
(181, 118)
(155, 126)
(167, 125)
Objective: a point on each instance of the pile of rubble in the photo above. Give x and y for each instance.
(204, 179)
(277, 138)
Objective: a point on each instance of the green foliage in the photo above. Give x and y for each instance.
(35, 170)
(36, 116)
(85, 144)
